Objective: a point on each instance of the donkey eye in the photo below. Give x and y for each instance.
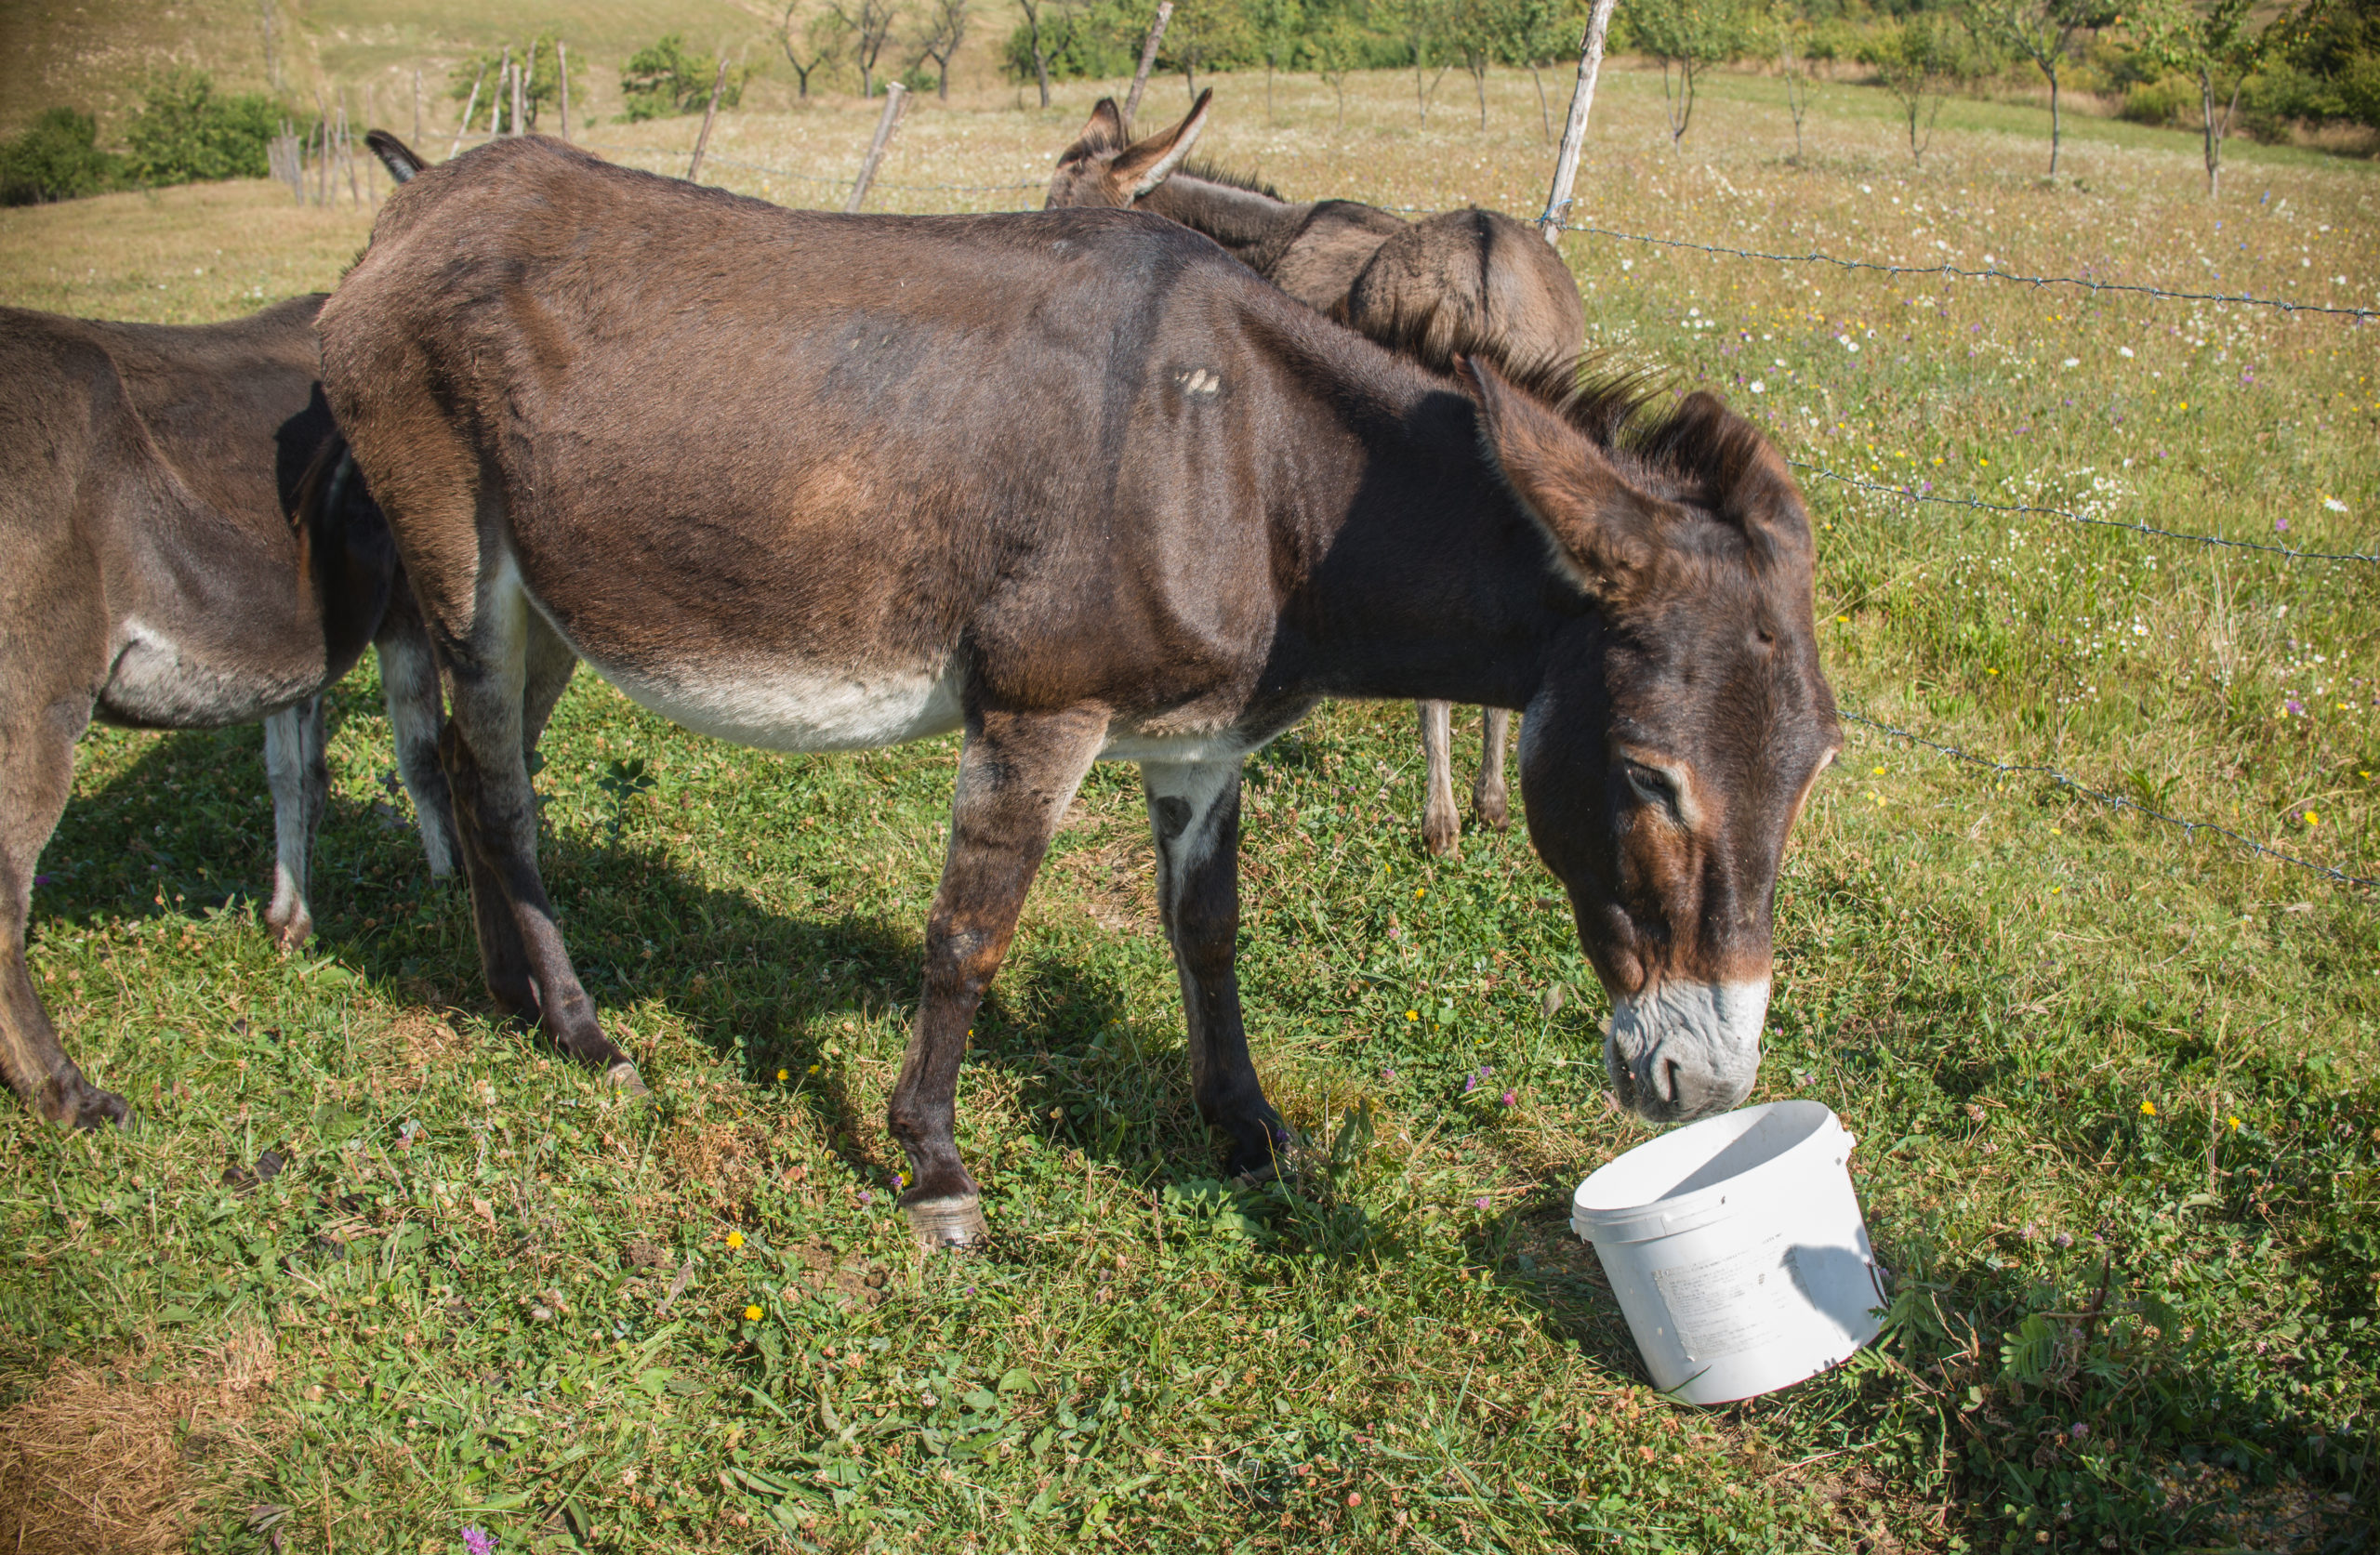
(1653, 787)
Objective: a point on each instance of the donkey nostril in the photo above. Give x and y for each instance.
(1669, 1073)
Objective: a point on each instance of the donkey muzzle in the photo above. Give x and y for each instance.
(1684, 1050)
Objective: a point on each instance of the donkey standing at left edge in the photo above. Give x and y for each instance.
(186, 546)
(1081, 485)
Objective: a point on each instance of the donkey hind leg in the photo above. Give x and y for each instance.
(1193, 811)
(1441, 832)
(1489, 799)
(409, 678)
(36, 773)
(1016, 776)
(296, 770)
(522, 954)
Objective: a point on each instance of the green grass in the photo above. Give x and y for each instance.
(2040, 1018)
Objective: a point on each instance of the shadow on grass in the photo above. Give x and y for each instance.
(185, 830)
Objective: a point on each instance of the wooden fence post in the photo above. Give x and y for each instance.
(895, 97)
(521, 91)
(416, 105)
(1148, 57)
(1574, 128)
(463, 124)
(562, 62)
(702, 142)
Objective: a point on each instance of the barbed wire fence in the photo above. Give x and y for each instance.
(2090, 284)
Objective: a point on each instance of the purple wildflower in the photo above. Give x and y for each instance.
(41, 879)
(1470, 1084)
(2280, 526)
(1511, 1100)
(2296, 708)
(2079, 1430)
(866, 1197)
(479, 1541)
(1479, 1204)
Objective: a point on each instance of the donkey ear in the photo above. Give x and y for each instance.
(1603, 530)
(1148, 163)
(1103, 131)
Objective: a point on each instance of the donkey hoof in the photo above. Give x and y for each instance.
(290, 934)
(82, 1105)
(623, 1077)
(955, 1222)
(1492, 810)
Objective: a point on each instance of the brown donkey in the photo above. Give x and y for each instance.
(1462, 280)
(1077, 484)
(155, 578)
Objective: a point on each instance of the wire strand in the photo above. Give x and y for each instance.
(2113, 801)
(1947, 269)
(2289, 551)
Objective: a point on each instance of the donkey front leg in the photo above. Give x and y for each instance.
(1441, 832)
(36, 773)
(1017, 773)
(521, 954)
(297, 772)
(1193, 811)
(1489, 799)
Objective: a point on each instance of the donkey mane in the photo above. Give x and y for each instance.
(1695, 439)
(1208, 172)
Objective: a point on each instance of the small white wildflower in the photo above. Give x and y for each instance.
(2071, 362)
(2124, 351)
(2335, 505)
(1758, 388)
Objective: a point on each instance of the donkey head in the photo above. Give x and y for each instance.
(1099, 168)
(1681, 723)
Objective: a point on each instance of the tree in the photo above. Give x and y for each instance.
(1688, 37)
(1474, 33)
(823, 39)
(869, 24)
(1792, 19)
(1337, 48)
(1536, 34)
(664, 81)
(2042, 30)
(2216, 43)
(1278, 25)
(1057, 17)
(1420, 27)
(1203, 31)
(1919, 60)
(543, 87)
(946, 29)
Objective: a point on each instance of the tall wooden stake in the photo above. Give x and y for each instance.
(1574, 128)
(416, 105)
(521, 91)
(562, 62)
(702, 142)
(463, 124)
(896, 97)
(1148, 57)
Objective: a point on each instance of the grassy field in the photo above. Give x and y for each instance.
(2096, 1066)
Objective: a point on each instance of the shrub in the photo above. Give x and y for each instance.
(59, 158)
(183, 133)
(2162, 101)
(665, 81)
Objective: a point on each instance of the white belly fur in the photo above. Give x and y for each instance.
(799, 707)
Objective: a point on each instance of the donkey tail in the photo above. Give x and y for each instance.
(395, 154)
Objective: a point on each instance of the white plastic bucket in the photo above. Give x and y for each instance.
(1737, 1249)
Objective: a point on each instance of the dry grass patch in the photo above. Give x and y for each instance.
(100, 1462)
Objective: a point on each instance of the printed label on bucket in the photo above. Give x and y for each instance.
(1723, 1305)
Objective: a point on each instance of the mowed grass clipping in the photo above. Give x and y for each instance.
(2113, 1083)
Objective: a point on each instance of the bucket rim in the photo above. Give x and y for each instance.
(1667, 1216)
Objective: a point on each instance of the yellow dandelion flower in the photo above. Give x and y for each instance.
(2149, 1108)
(734, 1240)
(1417, 892)
(2235, 1125)
(783, 1074)
(1412, 1015)
(2312, 818)
(751, 1314)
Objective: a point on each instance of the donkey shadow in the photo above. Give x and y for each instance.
(185, 829)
